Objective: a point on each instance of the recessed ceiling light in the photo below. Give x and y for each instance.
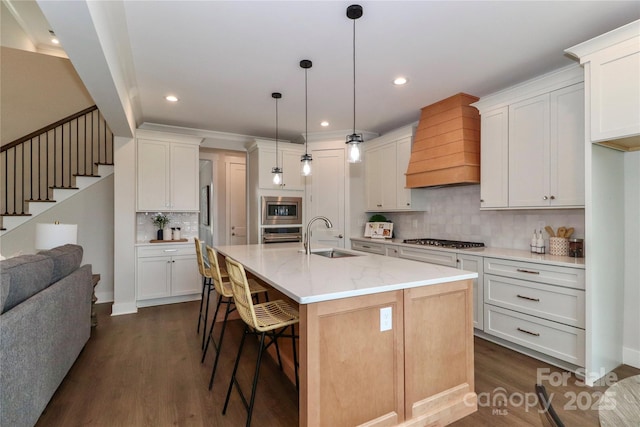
(400, 81)
(55, 41)
(324, 123)
(171, 98)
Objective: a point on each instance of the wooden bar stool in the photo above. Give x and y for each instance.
(225, 296)
(207, 287)
(260, 319)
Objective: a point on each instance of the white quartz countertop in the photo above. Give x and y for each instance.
(503, 253)
(313, 278)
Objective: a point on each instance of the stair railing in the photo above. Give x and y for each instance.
(51, 157)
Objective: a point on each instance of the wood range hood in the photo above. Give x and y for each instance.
(446, 147)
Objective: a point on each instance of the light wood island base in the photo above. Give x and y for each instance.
(419, 373)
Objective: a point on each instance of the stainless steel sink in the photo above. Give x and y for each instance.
(334, 253)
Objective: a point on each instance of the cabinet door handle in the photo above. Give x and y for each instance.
(366, 247)
(379, 206)
(408, 204)
(340, 236)
(544, 198)
(171, 250)
(481, 200)
(528, 298)
(535, 334)
(552, 197)
(522, 270)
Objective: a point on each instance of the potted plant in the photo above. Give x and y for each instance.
(160, 220)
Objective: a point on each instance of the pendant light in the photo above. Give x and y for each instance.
(305, 159)
(276, 171)
(355, 139)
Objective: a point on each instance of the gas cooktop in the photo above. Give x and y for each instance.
(455, 244)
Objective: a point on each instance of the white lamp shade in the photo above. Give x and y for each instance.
(53, 235)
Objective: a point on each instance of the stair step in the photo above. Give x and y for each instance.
(64, 188)
(15, 214)
(87, 175)
(103, 164)
(38, 201)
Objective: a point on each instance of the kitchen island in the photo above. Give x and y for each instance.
(383, 341)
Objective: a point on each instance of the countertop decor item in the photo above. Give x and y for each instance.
(160, 220)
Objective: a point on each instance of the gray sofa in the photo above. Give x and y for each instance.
(45, 321)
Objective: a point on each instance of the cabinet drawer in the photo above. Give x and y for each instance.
(372, 247)
(166, 250)
(554, 339)
(564, 305)
(425, 255)
(550, 274)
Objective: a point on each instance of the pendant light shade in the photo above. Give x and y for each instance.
(277, 170)
(355, 139)
(306, 159)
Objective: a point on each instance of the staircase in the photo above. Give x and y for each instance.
(52, 164)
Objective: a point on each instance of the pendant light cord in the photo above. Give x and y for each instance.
(354, 76)
(277, 133)
(306, 107)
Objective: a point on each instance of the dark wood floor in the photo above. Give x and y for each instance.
(144, 370)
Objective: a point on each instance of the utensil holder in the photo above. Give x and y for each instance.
(558, 246)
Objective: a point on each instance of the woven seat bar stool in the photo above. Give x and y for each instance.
(225, 296)
(269, 318)
(207, 287)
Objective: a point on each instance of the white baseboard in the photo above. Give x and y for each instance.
(123, 308)
(631, 357)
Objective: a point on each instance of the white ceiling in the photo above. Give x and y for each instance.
(224, 58)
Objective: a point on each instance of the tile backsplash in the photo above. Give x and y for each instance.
(454, 213)
(146, 231)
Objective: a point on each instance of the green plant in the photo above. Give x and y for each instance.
(378, 218)
(160, 220)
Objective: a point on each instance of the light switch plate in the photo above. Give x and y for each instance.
(385, 319)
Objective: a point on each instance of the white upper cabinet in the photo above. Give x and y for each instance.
(386, 159)
(167, 172)
(529, 152)
(532, 144)
(612, 74)
(288, 161)
(494, 162)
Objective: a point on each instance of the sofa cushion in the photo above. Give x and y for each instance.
(66, 259)
(22, 277)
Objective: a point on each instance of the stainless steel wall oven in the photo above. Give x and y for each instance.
(281, 234)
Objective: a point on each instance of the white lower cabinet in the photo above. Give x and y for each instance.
(536, 306)
(166, 273)
(371, 247)
(474, 263)
(428, 255)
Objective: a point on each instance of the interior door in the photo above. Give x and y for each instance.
(236, 204)
(326, 197)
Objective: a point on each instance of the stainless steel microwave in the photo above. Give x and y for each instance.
(281, 210)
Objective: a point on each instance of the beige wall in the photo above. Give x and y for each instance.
(36, 90)
(92, 210)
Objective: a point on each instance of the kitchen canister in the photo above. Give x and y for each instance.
(559, 246)
(576, 248)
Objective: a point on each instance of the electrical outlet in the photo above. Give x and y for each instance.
(385, 319)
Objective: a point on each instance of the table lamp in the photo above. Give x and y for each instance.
(53, 235)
